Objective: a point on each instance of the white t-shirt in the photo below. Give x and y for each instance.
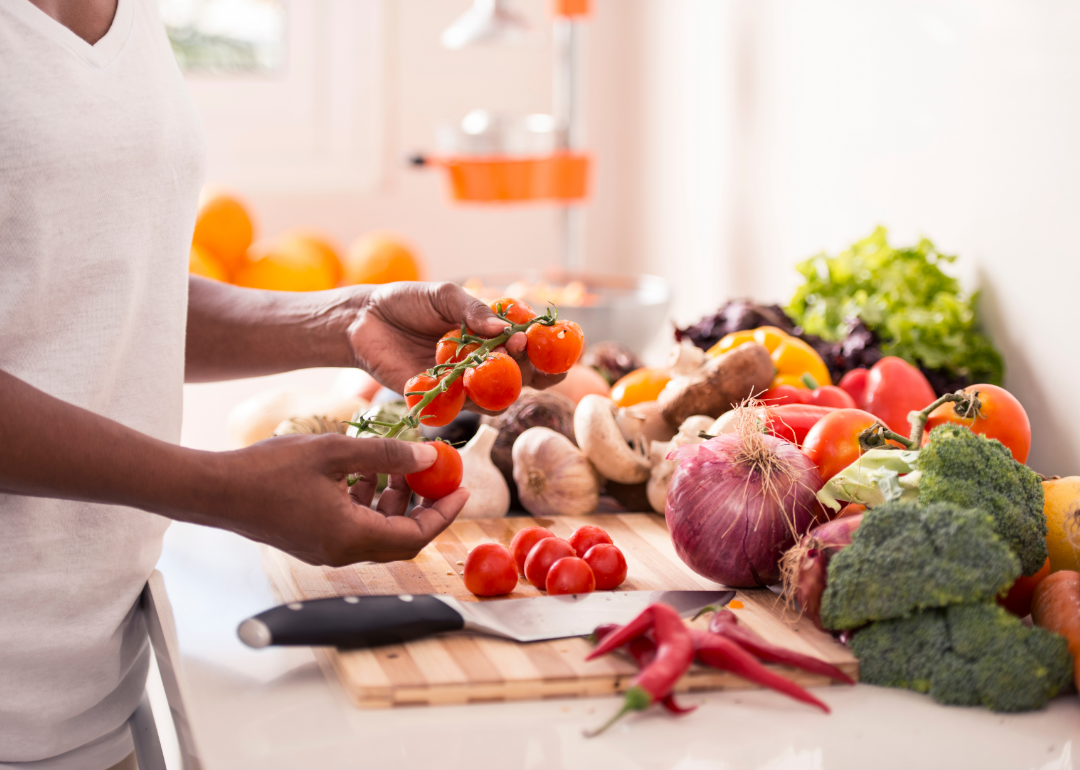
(101, 160)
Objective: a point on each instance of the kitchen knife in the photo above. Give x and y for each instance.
(369, 621)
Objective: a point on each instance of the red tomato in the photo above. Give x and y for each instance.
(516, 311)
(442, 478)
(444, 407)
(490, 570)
(554, 349)
(829, 395)
(893, 389)
(495, 383)
(1002, 417)
(608, 565)
(570, 576)
(833, 443)
(784, 394)
(545, 553)
(854, 382)
(1018, 600)
(446, 350)
(586, 537)
(523, 542)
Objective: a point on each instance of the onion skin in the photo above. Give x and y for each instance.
(812, 562)
(723, 526)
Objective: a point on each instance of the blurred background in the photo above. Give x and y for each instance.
(726, 140)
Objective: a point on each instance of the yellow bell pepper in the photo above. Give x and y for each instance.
(794, 359)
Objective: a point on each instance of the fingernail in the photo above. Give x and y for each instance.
(424, 453)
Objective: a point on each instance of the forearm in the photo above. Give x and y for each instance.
(234, 332)
(49, 448)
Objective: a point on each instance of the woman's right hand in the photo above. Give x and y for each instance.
(291, 492)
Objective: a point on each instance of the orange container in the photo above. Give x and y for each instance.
(571, 7)
(494, 179)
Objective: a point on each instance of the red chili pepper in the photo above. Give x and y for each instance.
(642, 650)
(792, 422)
(674, 654)
(720, 652)
(727, 625)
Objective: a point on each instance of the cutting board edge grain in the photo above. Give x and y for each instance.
(410, 674)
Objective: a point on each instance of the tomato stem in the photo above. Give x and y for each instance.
(965, 404)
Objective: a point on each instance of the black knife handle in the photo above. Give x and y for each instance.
(350, 622)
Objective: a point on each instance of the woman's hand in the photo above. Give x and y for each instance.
(291, 492)
(397, 326)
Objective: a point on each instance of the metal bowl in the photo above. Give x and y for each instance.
(631, 309)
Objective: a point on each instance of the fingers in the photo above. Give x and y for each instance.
(402, 537)
(455, 304)
(394, 501)
(377, 455)
(515, 346)
(363, 491)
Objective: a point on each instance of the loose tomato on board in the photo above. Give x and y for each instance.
(570, 576)
(1001, 416)
(495, 383)
(854, 382)
(446, 349)
(894, 388)
(442, 478)
(490, 570)
(542, 556)
(833, 443)
(515, 311)
(554, 349)
(444, 407)
(608, 565)
(524, 541)
(586, 537)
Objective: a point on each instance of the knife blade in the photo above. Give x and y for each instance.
(351, 622)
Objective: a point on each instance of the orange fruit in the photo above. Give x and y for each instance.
(381, 257)
(324, 244)
(202, 262)
(287, 264)
(639, 386)
(223, 227)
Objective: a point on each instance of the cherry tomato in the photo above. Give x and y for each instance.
(608, 565)
(829, 395)
(1018, 599)
(833, 443)
(586, 537)
(523, 542)
(444, 407)
(446, 350)
(784, 394)
(442, 478)
(545, 553)
(854, 382)
(516, 311)
(570, 576)
(893, 389)
(490, 570)
(554, 349)
(495, 383)
(1002, 417)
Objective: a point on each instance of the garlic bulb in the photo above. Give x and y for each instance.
(552, 475)
(306, 425)
(489, 494)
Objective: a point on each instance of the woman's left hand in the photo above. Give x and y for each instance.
(398, 325)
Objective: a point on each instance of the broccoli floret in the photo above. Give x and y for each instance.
(971, 471)
(965, 655)
(904, 558)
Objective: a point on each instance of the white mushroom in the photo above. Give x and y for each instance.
(611, 439)
(663, 469)
(685, 358)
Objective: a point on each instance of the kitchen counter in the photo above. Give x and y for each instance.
(275, 708)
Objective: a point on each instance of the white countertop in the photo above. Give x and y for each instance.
(275, 708)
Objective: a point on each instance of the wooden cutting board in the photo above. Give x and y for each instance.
(461, 668)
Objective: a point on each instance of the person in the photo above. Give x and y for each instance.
(101, 162)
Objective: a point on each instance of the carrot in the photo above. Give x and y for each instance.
(1056, 607)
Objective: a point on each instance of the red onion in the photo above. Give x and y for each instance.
(738, 501)
(805, 566)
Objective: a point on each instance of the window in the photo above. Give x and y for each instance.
(226, 36)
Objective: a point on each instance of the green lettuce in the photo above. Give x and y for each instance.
(917, 311)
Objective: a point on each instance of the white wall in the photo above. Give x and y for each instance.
(955, 119)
